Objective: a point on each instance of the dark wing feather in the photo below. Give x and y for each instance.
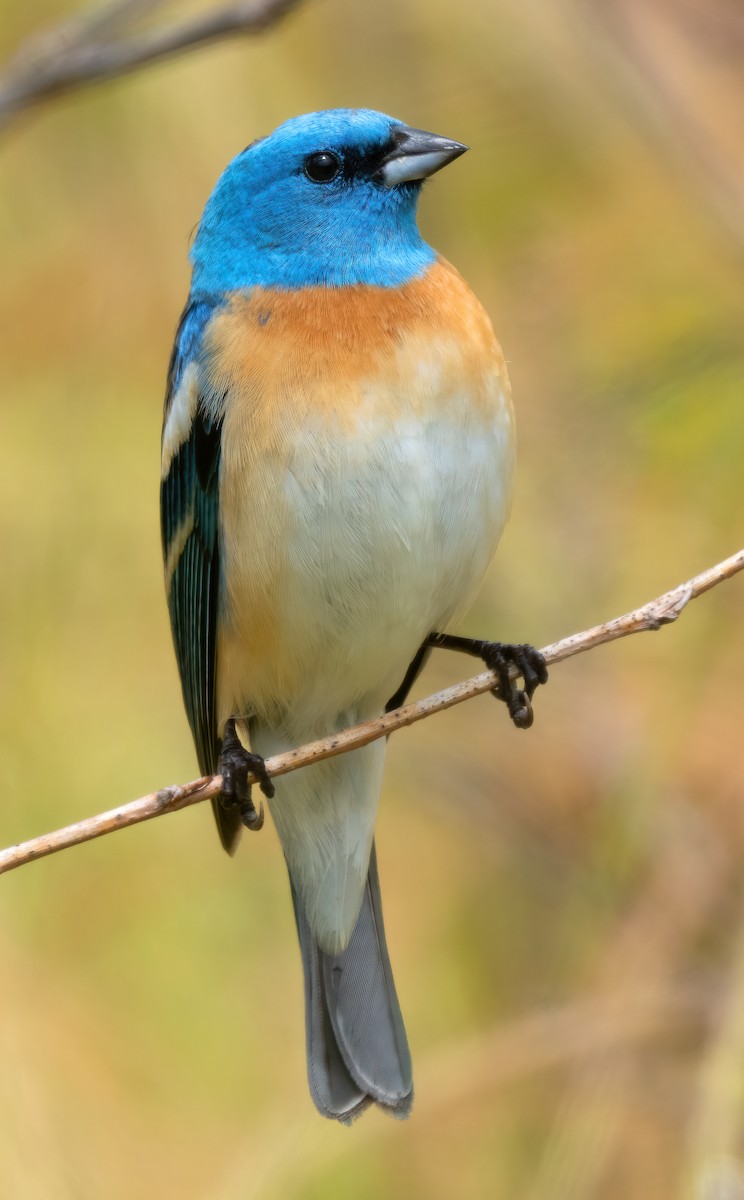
(189, 508)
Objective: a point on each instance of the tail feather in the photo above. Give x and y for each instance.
(357, 1050)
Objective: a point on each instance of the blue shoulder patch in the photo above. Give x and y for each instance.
(194, 320)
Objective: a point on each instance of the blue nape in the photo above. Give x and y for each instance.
(267, 224)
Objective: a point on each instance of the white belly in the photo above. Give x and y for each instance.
(373, 541)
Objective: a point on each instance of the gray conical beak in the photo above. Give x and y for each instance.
(416, 155)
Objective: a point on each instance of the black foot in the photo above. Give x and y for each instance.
(530, 664)
(235, 765)
(500, 657)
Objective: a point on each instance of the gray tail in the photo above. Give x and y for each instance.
(357, 1050)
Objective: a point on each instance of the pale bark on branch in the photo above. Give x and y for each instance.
(90, 48)
(651, 616)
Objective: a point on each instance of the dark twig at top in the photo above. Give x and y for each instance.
(95, 46)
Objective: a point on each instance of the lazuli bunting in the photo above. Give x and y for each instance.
(337, 458)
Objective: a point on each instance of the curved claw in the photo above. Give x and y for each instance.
(533, 667)
(258, 767)
(521, 711)
(252, 819)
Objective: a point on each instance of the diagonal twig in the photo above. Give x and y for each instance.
(663, 610)
(88, 49)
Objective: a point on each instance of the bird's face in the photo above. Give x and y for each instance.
(328, 198)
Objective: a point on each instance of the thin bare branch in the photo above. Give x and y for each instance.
(88, 49)
(651, 616)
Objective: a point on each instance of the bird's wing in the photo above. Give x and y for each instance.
(189, 508)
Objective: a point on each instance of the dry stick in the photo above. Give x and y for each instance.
(71, 55)
(661, 611)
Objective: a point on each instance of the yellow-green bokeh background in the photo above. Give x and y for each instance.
(563, 907)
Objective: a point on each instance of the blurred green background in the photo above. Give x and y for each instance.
(564, 907)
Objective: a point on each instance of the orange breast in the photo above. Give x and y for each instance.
(316, 346)
(312, 380)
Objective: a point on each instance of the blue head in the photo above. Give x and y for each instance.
(328, 198)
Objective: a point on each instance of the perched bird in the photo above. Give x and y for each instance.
(337, 456)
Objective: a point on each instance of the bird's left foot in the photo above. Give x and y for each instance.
(529, 663)
(236, 764)
(500, 657)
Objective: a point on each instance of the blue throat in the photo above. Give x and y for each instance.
(377, 243)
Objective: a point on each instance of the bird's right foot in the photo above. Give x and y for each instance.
(236, 765)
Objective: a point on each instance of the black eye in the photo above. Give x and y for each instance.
(322, 167)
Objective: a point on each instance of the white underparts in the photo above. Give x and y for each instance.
(375, 541)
